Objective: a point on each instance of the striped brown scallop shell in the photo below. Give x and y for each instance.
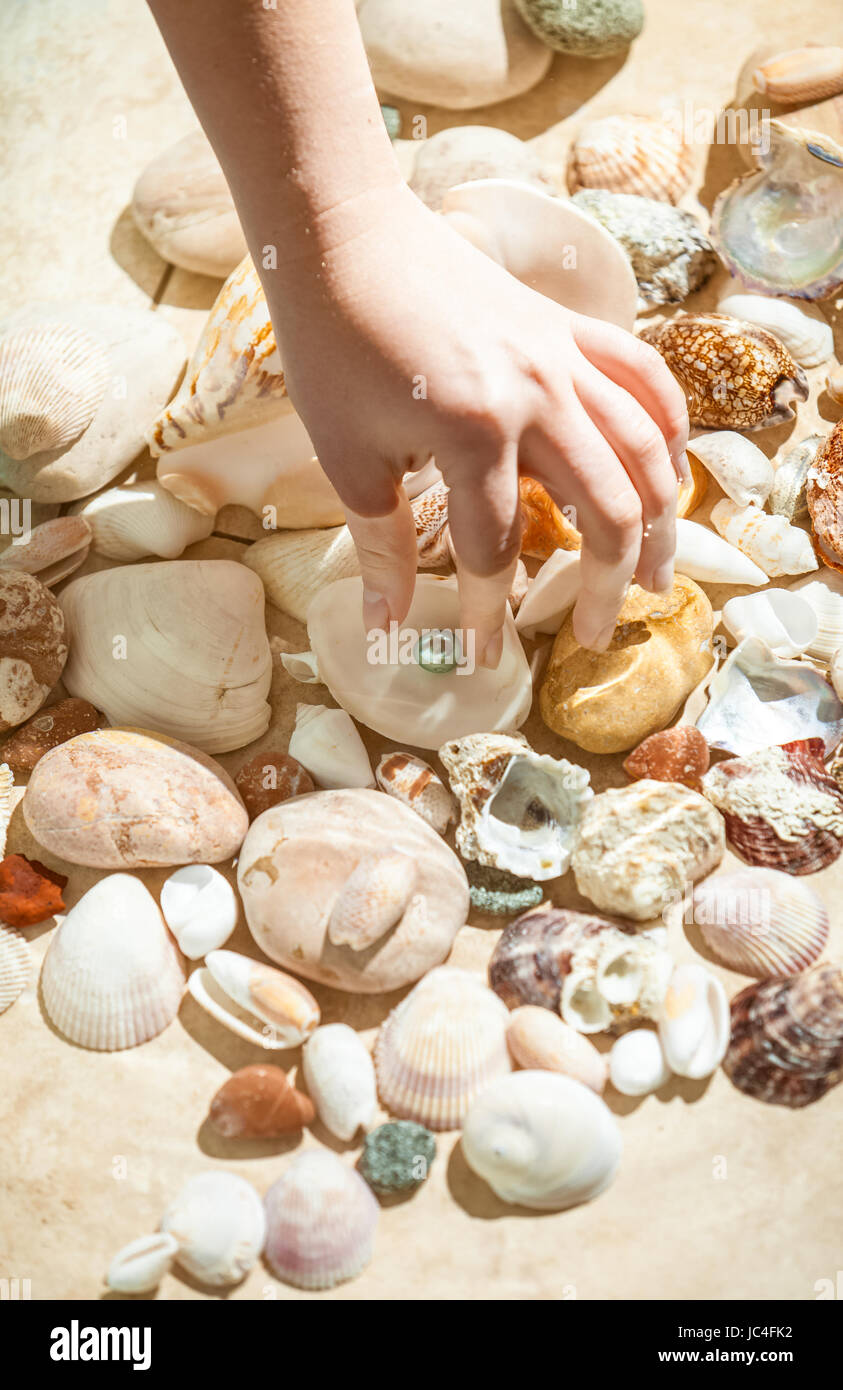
(632, 154)
(781, 807)
(824, 495)
(735, 375)
(787, 1037)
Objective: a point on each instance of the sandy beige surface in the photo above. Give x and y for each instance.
(717, 1196)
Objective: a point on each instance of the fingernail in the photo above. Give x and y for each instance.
(375, 611)
(683, 467)
(663, 578)
(493, 651)
(600, 641)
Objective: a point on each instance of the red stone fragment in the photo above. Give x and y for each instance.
(679, 754)
(29, 891)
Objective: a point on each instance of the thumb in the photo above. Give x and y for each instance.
(386, 550)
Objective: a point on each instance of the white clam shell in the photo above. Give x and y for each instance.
(757, 699)
(743, 471)
(637, 1063)
(112, 976)
(255, 1001)
(218, 1221)
(769, 541)
(542, 1140)
(52, 379)
(801, 327)
(703, 555)
(138, 519)
(15, 966)
(326, 743)
(294, 565)
(321, 1218)
(824, 592)
(551, 594)
(141, 1265)
(695, 1025)
(340, 1077)
(200, 908)
(779, 617)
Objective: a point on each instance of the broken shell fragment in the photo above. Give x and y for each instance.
(327, 744)
(551, 594)
(757, 699)
(255, 1001)
(778, 617)
(259, 1102)
(373, 899)
(320, 1222)
(760, 921)
(218, 1221)
(769, 541)
(694, 1023)
(200, 909)
(739, 466)
(141, 1265)
(340, 1078)
(540, 1040)
(787, 1037)
(637, 1064)
(679, 754)
(411, 780)
(519, 810)
(802, 328)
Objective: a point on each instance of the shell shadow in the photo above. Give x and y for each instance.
(828, 409)
(212, 1143)
(226, 1047)
(476, 1197)
(134, 254)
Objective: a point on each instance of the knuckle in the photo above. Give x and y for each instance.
(619, 529)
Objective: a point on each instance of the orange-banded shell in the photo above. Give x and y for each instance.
(544, 527)
(413, 781)
(679, 754)
(782, 809)
(801, 74)
(52, 551)
(824, 495)
(760, 921)
(735, 375)
(440, 1047)
(52, 379)
(787, 1037)
(632, 154)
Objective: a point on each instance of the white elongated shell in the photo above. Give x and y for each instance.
(141, 1265)
(112, 976)
(745, 473)
(7, 783)
(326, 742)
(695, 1025)
(138, 519)
(52, 550)
(373, 899)
(381, 684)
(760, 921)
(294, 565)
(439, 1047)
(194, 661)
(801, 327)
(340, 1079)
(200, 908)
(321, 1218)
(412, 781)
(770, 541)
(780, 618)
(703, 555)
(551, 594)
(824, 593)
(637, 1063)
(218, 1221)
(52, 379)
(15, 966)
(757, 700)
(286, 1008)
(632, 154)
(539, 1040)
(542, 1140)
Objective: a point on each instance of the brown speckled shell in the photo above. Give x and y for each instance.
(534, 954)
(679, 754)
(290, 779)
(755, 838)
(730, 371)
(259, 1102)
(47, 729)
(32, 645)
(824, 494)
(787, 1037)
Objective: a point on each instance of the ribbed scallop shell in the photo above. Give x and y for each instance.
(52, 379)
(761, 921)
(320, 1222)
(7, 783)
(782, 809)
(824, 593)
(53, 551)
(824, 495)
(787, 1037)
(218, 1220)
(439, 1047)
(801, 74)
(734, 375)
(15, 966)
(113, 976)
(141, 519)
(632, 154)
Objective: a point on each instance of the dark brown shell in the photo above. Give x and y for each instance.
(824, 494)
(679, 754)
(787, 1037)
(269, 778)
(533, 955)
(754, 837)
(47, 729)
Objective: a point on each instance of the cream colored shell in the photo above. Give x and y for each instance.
(769, 541)
(133, 520)
(51, 551)
(340, 1079)
(183, 206)
(218, 1221)
(52, 379)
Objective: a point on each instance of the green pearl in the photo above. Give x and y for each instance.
(438, 651)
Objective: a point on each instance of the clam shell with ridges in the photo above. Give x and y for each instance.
(761, 921)
(131, 521)
(787, 1037)
(15, 966)
(320, 1222)
(632, 154)
(801, 74)
(52, 379)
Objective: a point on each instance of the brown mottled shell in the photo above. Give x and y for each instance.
(33, 645)
(824, 495)
(679, 754)
(782, 808)
(735, 375)
(632, 154)
(47, 729)
(534, 953)
(787, 1037)
(269, 778)
(544, 528)
(259, 1102)
(430, 512)
(801, 74)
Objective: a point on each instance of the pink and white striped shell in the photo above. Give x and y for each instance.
(632, 154)
(320, 1222)
(439, 1047)
(787, 1037)
(760, 921)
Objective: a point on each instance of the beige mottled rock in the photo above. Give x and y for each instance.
(33, 646)
(464, 153)
(183, 206)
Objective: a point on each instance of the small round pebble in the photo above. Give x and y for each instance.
(500, 893)
(397, 1157)
(589, 28)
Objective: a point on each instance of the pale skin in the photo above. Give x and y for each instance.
(372, 291)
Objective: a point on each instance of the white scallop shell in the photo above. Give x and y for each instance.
(326, 743)
(218, 1221)
(783, 620)
(141, 1265)
(7, 784)
(294, 565)
(757, 699)
(802, 328)
(551, 594)
(703, 555)
(320, 1218)
(15, 966)
(52, 379)
(695, 1024)
(200, 908)
(824, 592)
(637, 1063)
(340, 1079)
(743, 471)
(256, 1001)
(133, 520)
(51, 551)
(542, 1140)
(769, 541)
(112, 976)
(760, 921)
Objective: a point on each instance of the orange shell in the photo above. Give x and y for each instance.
(544, 528)
(679, 754)
(29, 891)
(692, 493)
(824, 493)
(259, 1102)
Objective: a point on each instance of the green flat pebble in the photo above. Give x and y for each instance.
(397, 1157)
(498, 892)
(586, 28)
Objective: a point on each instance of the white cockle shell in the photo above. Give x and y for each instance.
(218, 1221)
(340, 1077)
(15, 966)
(824, 592)
(133, 520)
(694, 1026)
(320, 1222)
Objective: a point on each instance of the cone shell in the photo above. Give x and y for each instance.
(218, 1220)
(15, 966)
(679, 754)
(824, 494)
(33, 646)
(787, 1037)
(53, 551)
(373, 899)
(632, 154)
(769, 541)
(112, 977)
(544, 528)
(439, 1047)
(321, 1220)
(704, 556)
(760, 921)
(801, 74)
(52, 379)
(259, 1102)
(413, 781)
(539, 1040)
(47, 729)
(734, 375)
(132, 521)
(782, 809)
(340, 1077)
